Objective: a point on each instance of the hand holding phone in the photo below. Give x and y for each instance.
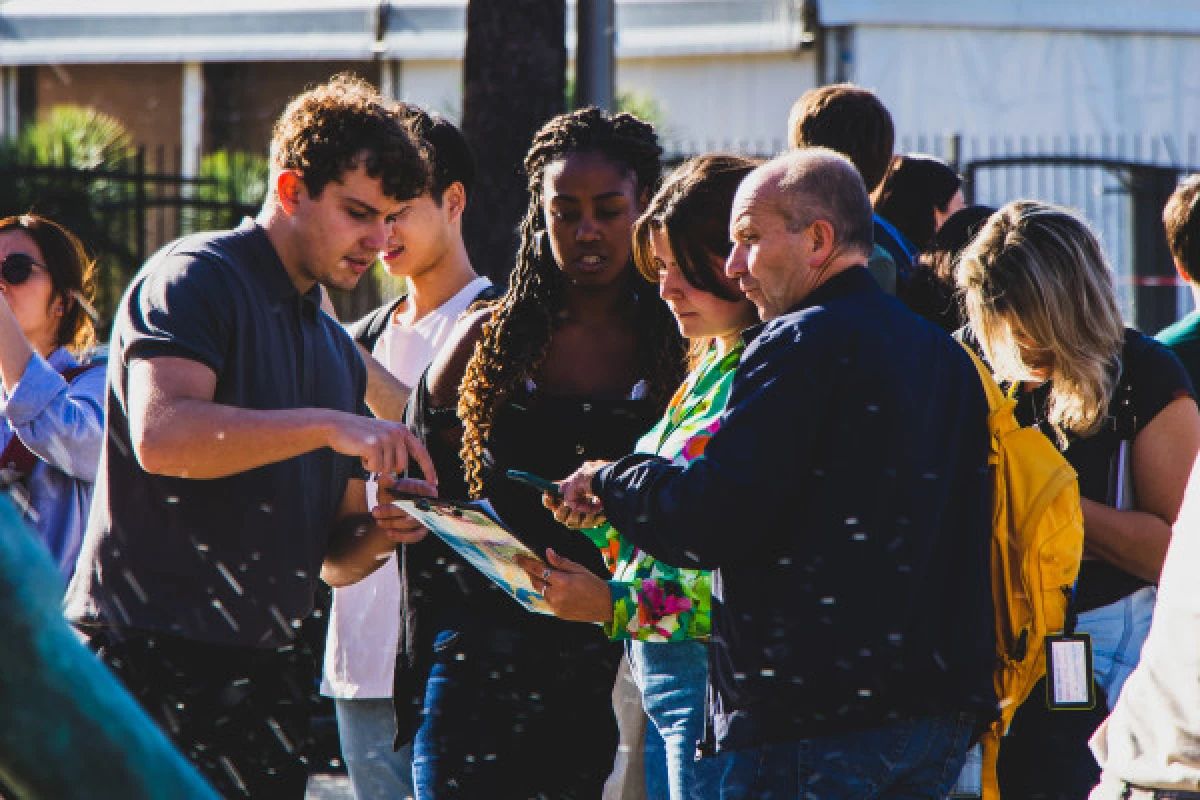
(537, 482)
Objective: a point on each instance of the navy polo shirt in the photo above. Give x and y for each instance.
(232, 560)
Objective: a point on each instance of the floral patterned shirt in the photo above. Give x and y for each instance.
(653, 601)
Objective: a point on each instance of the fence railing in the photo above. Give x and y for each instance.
(1122, 200)
(126, 211)
(1119, 183)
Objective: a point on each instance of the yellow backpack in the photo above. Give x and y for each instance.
(1037, 543)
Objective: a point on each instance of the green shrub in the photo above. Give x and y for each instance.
(235, 185)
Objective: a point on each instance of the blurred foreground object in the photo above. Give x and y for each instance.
(67, 727)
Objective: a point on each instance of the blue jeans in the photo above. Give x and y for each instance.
(673, 678)
(1118, 632)
(913, 758)
(366, 729)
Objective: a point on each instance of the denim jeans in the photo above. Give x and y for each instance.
(913, 758)
(1118, 632)
(366, 729)
(673, 678)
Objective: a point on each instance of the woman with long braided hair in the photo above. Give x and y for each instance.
(577, 358)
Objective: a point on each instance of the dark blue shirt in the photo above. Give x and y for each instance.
(232, 560)
(845, 506)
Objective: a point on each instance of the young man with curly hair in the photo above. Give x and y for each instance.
(237, 438)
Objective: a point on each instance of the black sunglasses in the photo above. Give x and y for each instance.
(17, 267)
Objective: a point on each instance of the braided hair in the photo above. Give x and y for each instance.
(517, 337)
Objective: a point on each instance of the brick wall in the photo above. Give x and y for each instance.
(243, 100)
(146, 98)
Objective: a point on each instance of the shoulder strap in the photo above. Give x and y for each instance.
(368, 329)
(995, 397)
(1120, 408)
(414, 411)
(16, 458)
(71, 373)
(489, 292)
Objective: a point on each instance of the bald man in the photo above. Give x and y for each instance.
(844, 505)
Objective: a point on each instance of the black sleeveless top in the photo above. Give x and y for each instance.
(1153, 377)
(543, 434)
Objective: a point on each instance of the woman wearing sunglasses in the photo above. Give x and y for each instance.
(53, 406)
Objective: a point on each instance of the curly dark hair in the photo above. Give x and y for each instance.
(345, 123)
(517, 336)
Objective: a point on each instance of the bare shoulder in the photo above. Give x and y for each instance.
(447, 369)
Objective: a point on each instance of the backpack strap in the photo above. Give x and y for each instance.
(486, 294)
(368, 329)
(996, 399)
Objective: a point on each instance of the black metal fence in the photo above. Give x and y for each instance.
(122, 211)
(1118, 183)
(125, 211)
(1123, 200)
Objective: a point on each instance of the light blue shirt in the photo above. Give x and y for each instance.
(63, 425)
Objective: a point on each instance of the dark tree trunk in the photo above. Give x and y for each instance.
(514, 75)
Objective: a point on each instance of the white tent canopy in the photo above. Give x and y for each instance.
(150, 31)
(1116, 16)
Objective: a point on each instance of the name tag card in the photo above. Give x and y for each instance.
(1069, 684)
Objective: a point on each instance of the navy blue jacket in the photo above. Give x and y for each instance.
(845, 506)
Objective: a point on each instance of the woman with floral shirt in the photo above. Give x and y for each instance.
(663, 612)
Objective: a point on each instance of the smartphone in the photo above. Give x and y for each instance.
(539, 483)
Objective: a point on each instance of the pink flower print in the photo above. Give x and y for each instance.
(695, 446)
(654, 605)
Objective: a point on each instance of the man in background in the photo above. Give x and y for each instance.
(853, 121)
(1181, 218)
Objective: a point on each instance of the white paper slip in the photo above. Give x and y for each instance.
(1069, 671)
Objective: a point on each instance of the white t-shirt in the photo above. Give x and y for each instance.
(364, 623)
(1152, 737)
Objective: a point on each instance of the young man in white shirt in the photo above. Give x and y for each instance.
(427, 249)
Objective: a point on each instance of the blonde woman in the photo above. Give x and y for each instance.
(1039, 301)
